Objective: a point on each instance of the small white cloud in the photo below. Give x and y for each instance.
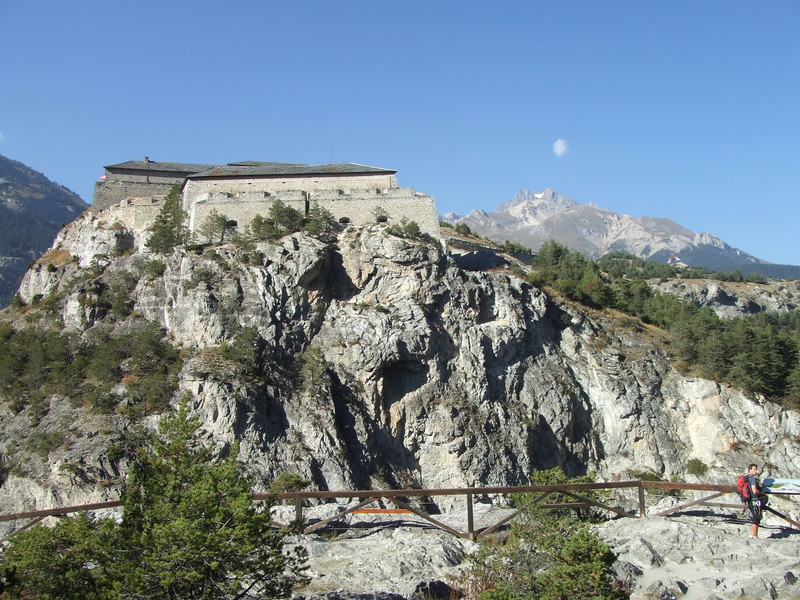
(1, 136)
(560, 147)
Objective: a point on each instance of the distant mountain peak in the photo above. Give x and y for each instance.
(548, 197)
(532, 218)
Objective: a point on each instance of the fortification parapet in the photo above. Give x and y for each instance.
(353, 193)
(354, 206)
(110, 193)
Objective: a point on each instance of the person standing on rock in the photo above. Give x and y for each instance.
(756, 498)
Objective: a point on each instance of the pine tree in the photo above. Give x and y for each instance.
(190, 529)
(168, 230)
(66, 562)
(213, 227)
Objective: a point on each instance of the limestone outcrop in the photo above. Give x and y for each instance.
(690, 554)
(731, 300)
(382, 363)
(707, 554)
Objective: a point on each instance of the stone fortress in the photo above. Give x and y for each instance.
(354, 194)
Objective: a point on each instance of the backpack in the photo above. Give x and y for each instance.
(743, 488)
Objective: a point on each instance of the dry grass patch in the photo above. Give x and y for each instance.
(57, 258)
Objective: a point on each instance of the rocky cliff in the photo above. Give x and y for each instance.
(370, 360)
(733, 299)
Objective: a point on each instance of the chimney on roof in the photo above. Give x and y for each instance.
(147, 159)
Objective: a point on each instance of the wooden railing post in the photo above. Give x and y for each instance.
(470, 519)
(298, 510)
(642, 505)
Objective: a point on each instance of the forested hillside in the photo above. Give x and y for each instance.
(32, 210)
(758, 353)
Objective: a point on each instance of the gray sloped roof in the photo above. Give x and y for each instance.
(154, 165)
(273, 169)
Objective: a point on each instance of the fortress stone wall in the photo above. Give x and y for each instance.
(352, 193)
(111, 193)
(354, 206)
(201, 185)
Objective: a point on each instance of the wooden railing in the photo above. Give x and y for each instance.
(401, 499)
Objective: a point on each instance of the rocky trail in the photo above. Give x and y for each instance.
(693, 555)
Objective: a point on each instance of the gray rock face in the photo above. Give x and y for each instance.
(706, 556)
(695, 555)
(394, 560)
(372, 556)
(417, 373)
(732, 300)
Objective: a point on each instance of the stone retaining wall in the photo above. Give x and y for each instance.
(357, 207)
(109, 193)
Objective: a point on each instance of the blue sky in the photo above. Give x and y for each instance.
(685, 110)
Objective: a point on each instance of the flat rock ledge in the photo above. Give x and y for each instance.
(693, 555)
(706, 555)
(386, 557)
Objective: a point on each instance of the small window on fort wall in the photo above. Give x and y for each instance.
(382, 219)
(231, 224)
(344, 220)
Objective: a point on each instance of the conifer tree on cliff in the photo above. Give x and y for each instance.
(168, 230)
(189, 530)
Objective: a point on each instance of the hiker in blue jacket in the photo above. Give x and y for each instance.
(755, 499)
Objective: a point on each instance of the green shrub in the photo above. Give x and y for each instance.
(154, 268)
(35, 363)
(213, 227)
(44, 443)
(501, 592)
(696, 467)
(285, 218)
(246, 349)
(549, 554)
(515, 247)
(289, 482)
(17, 303)
(200, 275)
(320, 221)
(405, 228)
(314, 378)
(115, 452)
(100, 399)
